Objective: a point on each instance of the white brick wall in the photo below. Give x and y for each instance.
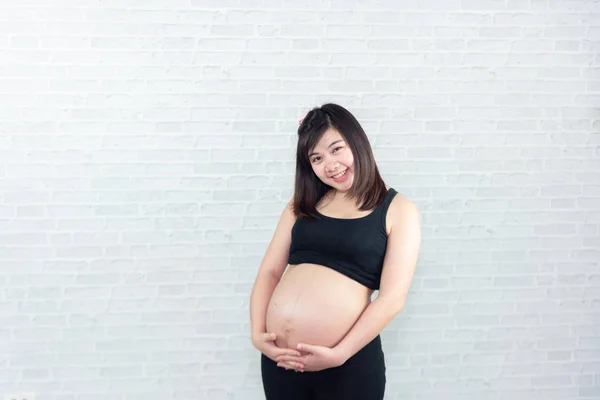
(146, 151)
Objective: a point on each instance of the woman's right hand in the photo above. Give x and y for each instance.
(265, 343)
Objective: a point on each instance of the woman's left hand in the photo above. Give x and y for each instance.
(317, 359)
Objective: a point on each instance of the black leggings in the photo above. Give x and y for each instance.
(362, 376)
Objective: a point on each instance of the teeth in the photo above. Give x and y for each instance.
(340, 174)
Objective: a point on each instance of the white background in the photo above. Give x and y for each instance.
(147, 149)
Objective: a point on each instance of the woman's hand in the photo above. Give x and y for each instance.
(317, 359)
(265, 343)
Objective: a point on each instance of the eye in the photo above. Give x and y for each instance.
(337, 148)
(316, 159)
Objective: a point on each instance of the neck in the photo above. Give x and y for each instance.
(339, 195)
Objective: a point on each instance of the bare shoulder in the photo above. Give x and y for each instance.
(403, 204)
(275, 259)
(288, 210)
(288, 218)
(403, 214)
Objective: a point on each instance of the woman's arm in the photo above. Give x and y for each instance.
(271, 269)
(264, 285)
(398, 269)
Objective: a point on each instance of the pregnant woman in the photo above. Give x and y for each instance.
(343, 235)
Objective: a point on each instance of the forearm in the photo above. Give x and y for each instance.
(259, 300)
(372, 321)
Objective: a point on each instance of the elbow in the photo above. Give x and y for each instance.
(392, 304)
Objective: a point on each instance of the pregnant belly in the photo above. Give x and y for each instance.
(316, 305)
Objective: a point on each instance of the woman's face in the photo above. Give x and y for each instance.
(332, 161)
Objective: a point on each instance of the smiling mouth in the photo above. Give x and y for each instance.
(339, 175)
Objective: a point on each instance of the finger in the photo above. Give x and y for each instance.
(286, 358)
(269, 337)
(289, 352)
(285, 366)
(309, 348)
(296, 365)
(291, 365)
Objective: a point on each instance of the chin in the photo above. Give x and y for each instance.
(343, 187)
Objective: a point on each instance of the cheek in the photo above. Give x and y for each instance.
(321, 174)
(349, 161)
(317, 171)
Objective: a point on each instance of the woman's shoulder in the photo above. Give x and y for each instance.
(403, 210)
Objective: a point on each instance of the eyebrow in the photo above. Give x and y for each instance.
(314, 152)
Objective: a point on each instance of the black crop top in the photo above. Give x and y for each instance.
(354, 247)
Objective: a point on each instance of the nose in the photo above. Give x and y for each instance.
(332, 166)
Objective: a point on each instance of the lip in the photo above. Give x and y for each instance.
(339, 172)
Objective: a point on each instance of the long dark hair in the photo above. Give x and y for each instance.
(368, 188)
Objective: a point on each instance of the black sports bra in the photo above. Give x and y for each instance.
(354, 247)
